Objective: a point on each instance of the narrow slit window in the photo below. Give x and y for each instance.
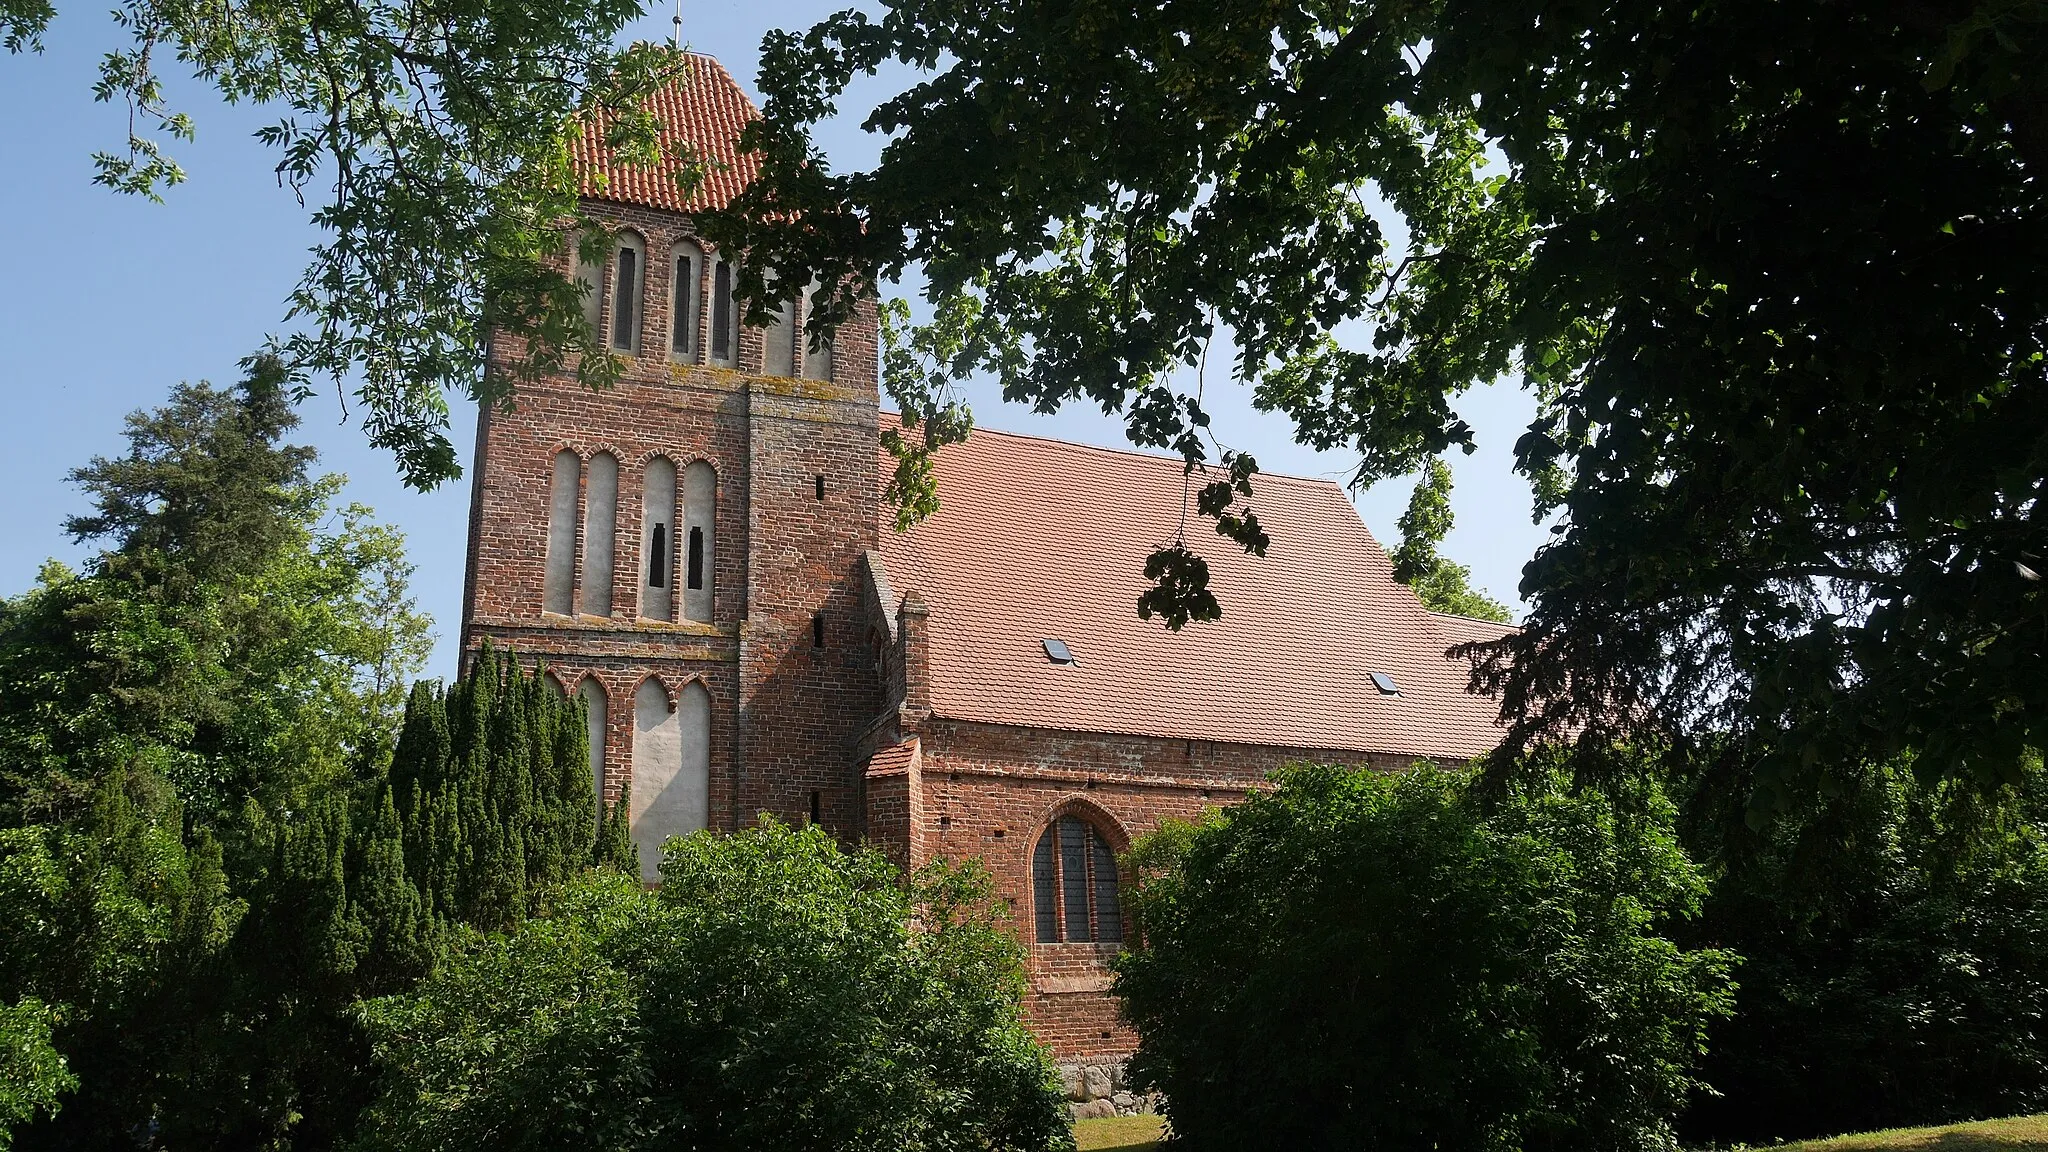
(696, 557)
(821, 487)
(817, 805)
(657, 557)
(721, 312)
(626, 296)
(818, 630)
(683, 300)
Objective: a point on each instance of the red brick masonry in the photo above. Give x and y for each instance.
(929, 721)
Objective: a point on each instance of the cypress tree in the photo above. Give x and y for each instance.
(615, 847)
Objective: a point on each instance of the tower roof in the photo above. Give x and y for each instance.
(1039, 540)
(703, 111)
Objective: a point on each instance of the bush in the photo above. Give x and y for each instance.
(1365, 960)
(775, 994)
(1896, 944)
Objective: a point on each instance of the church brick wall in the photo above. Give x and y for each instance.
(989, 792)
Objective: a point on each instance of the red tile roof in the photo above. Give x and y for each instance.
(1037, 538)
(1466, 629)
(703, 111)
(894, 758)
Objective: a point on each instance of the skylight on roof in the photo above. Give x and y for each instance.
(1058, 652)
(1385, 684)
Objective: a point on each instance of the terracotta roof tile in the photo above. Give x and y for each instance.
(1467, 629)
(894, 758)
(704, 110)
(1039, 539)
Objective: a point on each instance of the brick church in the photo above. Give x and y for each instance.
(701, 554)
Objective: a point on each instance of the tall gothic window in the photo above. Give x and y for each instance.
(817, 346)
(779, 342)
(725, 325)
(1074, 885)
(684, 300)
(600, 518)
(590, 281)
(627, 262)
(657, 535)
(700, 545)
(558, 594)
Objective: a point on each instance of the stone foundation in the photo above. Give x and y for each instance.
(1096, 1088)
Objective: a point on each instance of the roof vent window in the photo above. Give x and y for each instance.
(1058, 652)
(1385, 684)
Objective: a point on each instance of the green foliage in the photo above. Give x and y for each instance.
(233, 637)
(208, 854)
(1441, 584)
(1895, 937)
(1414, 969)
(491, 788)
(1781, 309)
(777, 993)
(32, 1073)
(432, 141)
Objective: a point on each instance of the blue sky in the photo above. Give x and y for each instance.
(110, 300)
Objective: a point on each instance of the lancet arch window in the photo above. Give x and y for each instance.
(601, 516)
(725, 316)
(629, 260)
(685, 300)
(1074, 885)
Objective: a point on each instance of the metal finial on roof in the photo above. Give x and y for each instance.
(676, 38)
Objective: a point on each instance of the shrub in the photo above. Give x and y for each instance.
(1365, 960)
(1896, 944)
(777, 993)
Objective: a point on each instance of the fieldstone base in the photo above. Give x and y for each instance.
(1096, 1088)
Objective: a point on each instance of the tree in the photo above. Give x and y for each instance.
(1442, 585)
(231, 637)
(32, 1073)
(1773, 275)
(777, 993)
(433, 141)
(1419, 969)
(205, 858)
(1894, 935)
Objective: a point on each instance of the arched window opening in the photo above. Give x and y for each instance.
(658, 517)
(590, 282)
(685, 299)
(601, 515)
(671, 768)
(779, 342)
(700, 517)
(626, 265)
(594, 715)
(724, 317)
(817, 345)
(1074, 885)
(558, 589)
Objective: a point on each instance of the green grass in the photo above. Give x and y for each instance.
(2014, 1135)
(1117, 1134)
(2019, 1134)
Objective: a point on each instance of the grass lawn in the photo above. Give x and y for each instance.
(1117, 1134)
(2019, 1134)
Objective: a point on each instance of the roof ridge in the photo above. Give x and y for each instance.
(1473, 619)
(1140, 453)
